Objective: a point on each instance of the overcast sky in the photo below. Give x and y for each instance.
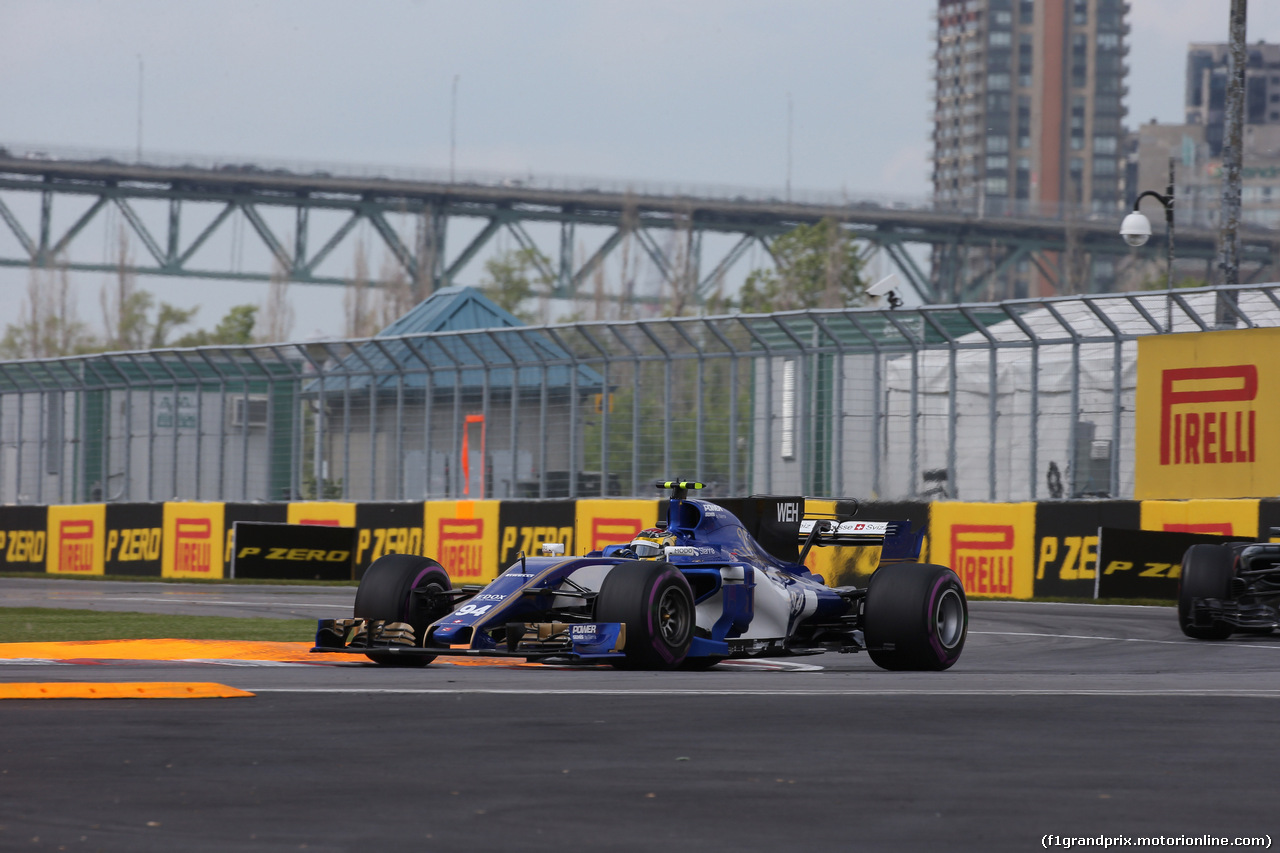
(673, 91)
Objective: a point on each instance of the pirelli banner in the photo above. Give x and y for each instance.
(463, 537)
(77, 540)
(1206, 407)
(990, 546)
(610, 522)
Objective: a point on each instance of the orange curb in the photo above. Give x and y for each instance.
(121, 690)
(180, 650)
(159, 650)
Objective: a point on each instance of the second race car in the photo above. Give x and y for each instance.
(1230, 588)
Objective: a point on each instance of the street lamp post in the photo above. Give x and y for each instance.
(1136, 230)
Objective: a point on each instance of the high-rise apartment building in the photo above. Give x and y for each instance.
(1029, 107)
(1207, 88)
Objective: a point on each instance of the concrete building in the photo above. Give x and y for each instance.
(1028, 114)
(1198, 173)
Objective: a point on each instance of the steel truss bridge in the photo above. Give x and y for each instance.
(1051, 244)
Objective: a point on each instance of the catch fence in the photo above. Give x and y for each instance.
(1022, 400)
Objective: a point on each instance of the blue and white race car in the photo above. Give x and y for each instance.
(697, 591)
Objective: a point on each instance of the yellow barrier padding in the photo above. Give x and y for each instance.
(1206, 403)
(159, 650)
(121, 690)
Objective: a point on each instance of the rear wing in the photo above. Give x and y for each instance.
(896, 540)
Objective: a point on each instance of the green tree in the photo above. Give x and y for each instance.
(136, 328)
(129, 320)
(168, 318)
(511, 278)
(818, 266)
(235, 328)
(126, 310)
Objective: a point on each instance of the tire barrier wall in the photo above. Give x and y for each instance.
(1020, 550)
(1011, 550)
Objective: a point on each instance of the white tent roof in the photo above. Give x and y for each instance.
(1093, 322)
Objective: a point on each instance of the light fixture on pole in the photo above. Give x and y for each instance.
(1136, 230)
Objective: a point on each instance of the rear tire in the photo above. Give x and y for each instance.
(916, 617)
(1207, 571)
(385, 593)
(656, 603)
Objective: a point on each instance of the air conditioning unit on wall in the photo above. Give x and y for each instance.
(248, 412)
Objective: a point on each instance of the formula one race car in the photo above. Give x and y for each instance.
(688, 595)
(1230, 588)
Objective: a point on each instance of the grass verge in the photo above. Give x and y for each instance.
(45, 625)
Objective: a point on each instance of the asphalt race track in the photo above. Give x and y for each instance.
(1070, 720)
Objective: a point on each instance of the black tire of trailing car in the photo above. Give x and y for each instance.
(1207, 571)
(656, 603)
(385, 593)
(916, 617)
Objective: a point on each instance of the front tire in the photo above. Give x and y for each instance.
(1207, 571)
(916, 617)
(386, 593)
(656, 603)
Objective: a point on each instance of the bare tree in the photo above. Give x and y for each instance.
(396, 296)
(598, 294)
(1076, 262)
(683, 275)
(49, 326)
(360, 321)
(277, 314)
(627, 285)
(123, 307)
(1136, 272)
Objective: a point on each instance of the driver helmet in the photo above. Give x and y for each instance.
(648, 544)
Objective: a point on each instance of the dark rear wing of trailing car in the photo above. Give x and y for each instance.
(896, 540)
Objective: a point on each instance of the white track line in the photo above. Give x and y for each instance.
(423, 691)
(1187, 642)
